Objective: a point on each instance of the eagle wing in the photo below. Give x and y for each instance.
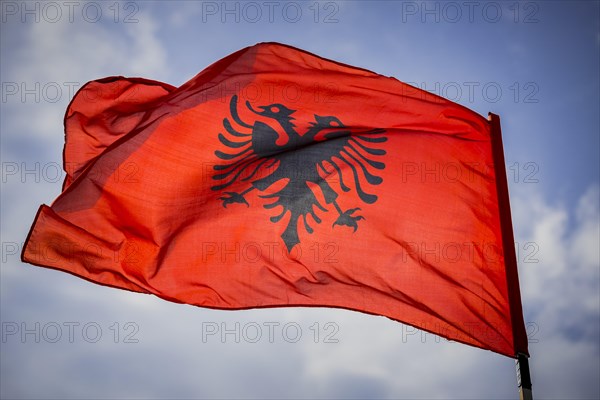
(246, 152)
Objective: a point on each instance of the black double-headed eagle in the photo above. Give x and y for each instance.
(261, 155)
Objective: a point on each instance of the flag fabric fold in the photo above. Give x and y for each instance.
(279, 178)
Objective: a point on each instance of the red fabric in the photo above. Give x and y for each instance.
(146, 205)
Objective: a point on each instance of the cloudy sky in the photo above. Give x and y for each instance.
(534, 63)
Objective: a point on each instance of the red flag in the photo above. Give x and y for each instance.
(279, 178)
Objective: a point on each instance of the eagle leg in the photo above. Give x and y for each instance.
(233, 197)
(346, 218)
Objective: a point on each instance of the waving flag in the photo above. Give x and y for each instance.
(278, 178)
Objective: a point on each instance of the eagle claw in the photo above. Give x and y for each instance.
(233, 197)
(347, 219)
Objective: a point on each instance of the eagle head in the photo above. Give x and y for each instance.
(328, 122)
(276, 111)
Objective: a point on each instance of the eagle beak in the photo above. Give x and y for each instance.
(253, 110)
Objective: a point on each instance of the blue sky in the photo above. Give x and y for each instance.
(534, 63)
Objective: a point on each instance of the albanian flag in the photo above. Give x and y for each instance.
(278, 178)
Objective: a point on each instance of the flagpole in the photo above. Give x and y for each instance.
(523, 377)
(510, 260)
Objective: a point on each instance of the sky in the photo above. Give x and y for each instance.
(534, 63)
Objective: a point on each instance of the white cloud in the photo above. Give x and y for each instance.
(185, 13)
(568, 247)
(561, 291)
(80, 50)
(148, 58)
(63, 56)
